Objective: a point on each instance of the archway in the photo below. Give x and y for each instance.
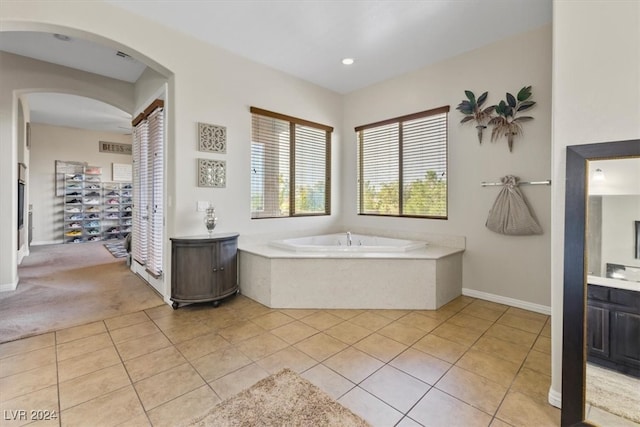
(18, 86)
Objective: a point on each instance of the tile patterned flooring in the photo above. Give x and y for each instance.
(471, 363)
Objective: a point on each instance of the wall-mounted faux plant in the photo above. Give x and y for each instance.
(472, 108)
(507, 122)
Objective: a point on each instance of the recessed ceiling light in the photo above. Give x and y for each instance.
(598, 175)
(62, 37)
(347, 61)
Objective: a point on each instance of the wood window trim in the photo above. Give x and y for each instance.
(405, 118)
(400, 120)
(158, 103)
(293, 122)
(296, 120)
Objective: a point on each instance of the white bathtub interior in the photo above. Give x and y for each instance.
(347, 242)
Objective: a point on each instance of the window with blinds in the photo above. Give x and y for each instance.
(290, 166)
(402, 166)
(148, 188)
(139, 247)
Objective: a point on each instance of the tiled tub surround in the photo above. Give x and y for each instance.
(419, 279)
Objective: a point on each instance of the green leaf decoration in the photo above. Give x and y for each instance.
(525, 105)
(482, 98)
(524, 93)
(471, 96)
(466, 119)
(507, 124)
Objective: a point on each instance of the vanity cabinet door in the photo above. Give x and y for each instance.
(192, 271)
(226, 276)
(626, 338)
(597, 331)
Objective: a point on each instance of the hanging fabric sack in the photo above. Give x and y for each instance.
(510, 213)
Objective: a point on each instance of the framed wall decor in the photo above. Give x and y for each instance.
(212, 173)
(212, 138)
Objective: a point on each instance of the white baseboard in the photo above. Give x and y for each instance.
(555, 398)
(525, 305)
(46, 242)
(5, 287)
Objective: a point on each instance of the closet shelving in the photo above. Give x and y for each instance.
(82, 212)
(117, 206)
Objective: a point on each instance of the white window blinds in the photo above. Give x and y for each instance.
(290, 166)
(140, 192)
(270, 165)
(156, 169)
(402, 166)
(311, 178)
(148, 189)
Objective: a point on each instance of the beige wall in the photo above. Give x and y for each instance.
(51, 143)
(513, 267)
(596, 87)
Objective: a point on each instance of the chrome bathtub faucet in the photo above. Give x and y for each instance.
(349, 242)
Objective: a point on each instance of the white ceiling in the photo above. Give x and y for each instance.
(621, 176)
(309, 38)
(61, 109)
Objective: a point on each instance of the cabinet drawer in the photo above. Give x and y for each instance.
(600, 293)
(628, 299)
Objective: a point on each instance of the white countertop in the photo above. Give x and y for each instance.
(429, 252)
(613, 283)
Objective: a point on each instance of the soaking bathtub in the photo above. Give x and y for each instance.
(347, 242)
(373, 272)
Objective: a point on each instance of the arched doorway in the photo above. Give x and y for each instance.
(64, 80)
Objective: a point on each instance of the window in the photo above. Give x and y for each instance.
(148, 167)
(402, 166)
(290, 166)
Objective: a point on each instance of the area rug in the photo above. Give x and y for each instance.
(613, 392)
(116, 248)
(283, 399)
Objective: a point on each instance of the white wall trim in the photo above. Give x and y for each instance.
(21, 254)
(555, 398)
(6, 287)
(525, 305)
(46, 242)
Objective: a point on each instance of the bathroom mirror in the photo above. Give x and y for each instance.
(613, 216)
(574, 355)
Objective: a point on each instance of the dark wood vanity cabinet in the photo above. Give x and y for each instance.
(204, 268)
(613, 329)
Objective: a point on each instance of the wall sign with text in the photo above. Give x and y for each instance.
(114, 147)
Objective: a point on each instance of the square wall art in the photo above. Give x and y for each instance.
(212, 173)
(212, 138)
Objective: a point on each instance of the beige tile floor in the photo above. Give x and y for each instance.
(471, 363)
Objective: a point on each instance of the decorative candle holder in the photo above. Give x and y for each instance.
(210, 219)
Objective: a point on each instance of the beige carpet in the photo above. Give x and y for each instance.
(67, 285)
(613, 392)
(283, 399)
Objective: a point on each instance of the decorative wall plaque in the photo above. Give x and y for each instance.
(212, 173)
(212, 138)
(114, 147)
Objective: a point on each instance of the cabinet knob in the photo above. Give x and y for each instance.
(215, 269)
(221, 268)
